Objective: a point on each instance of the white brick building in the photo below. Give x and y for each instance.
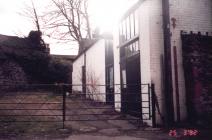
(148, 50)
(149, 33)
(90, 70)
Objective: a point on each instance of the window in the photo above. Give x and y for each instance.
(124, 78)
(129, 50)
(132, 32)
(121, 35)
(133, 47)
(128, 28)
(136, 46)
(136, 22)
(111, 77)
(109, 52)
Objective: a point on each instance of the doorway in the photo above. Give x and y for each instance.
(109, 71)
(83, 80)
(131, 85)
(109, 85)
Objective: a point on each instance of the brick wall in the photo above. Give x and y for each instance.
(187, 15)
(151, 47)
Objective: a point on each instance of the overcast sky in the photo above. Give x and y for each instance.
(104, 14)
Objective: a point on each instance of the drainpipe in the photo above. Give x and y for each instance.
(169, 107)
(85, 71)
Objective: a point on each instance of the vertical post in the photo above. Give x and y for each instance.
(149, 100)
(169, 106)
(153, 105)
(176, 83)
(64, 105)
(141, 113)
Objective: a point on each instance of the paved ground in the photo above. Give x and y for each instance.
(128, 135)
(89, 137)
(106, 129)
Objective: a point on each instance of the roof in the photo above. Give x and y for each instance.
(13, 41)
(67, 57)
(94, 41)
(86, 48)
(131, 9)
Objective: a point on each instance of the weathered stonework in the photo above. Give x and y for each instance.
(11, 74)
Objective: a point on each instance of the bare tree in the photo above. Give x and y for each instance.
(35, 37)
(31, 12)
(36, 20)
(65, 20)
(69, 20)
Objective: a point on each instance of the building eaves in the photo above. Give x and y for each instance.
(105, 36)
(131, 9)
(67, 57)
(86, 49)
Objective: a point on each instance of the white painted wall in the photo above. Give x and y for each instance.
(195, 15)
(190, 15)
(95, 67)
(151, 49)
(117, 80)
(95, 71)
(77, 73)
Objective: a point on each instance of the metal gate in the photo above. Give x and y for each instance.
(57, 106)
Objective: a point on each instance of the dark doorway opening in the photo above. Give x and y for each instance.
(83, 80)
(131, 85)
(109, 86)
(109, 71)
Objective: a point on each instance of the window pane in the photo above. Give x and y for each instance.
(122, 52)
(107, 77)
(133, 47)
(132, 25)
(111, 77)
(120, 34)
(136, 22)
(107, 48)
(137, 46)
(124, 78)
(127, 27)
(127, 50)
(124, 30)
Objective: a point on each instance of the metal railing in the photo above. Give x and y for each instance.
(66, 102)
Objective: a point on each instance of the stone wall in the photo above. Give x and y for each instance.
(11, 74)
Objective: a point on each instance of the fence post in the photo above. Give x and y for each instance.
(149, 99)
(141, 113)
(153, 105)
(64, 104)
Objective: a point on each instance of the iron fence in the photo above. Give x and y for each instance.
(65, 102)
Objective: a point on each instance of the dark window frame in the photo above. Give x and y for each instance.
(129, 27)
(123, 48)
